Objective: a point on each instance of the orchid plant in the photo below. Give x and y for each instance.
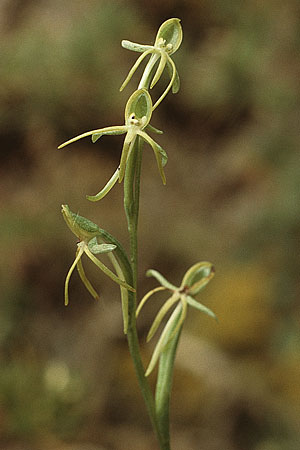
(93, 240)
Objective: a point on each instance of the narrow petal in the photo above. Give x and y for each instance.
(124, 292)
(161, 314)
(176, 84)
(97, 249)
(85, 281)
(192, 302)
(181, 319)
(135, 47)
(128, 142)
(109, 185)
(121, 130)
(158, 155)
(169, 85)
(152, 129)
(198, 276)
(106, 270)
(160, 69)
(77, 258)
(161, 279)
(147, 296)
(164, 338)
(135, 66)
(89, 133)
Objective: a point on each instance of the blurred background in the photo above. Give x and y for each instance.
(232, 198)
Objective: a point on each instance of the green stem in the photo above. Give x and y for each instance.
(131, 205)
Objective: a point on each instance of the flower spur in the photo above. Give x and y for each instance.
(167, 41)
(87, 233)
(194, 280)
(138, 113)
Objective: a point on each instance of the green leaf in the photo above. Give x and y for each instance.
(139, 104)
(171, 32)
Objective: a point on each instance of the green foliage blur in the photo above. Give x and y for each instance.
(232, 198)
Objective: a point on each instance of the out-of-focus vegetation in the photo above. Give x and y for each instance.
(232, 198)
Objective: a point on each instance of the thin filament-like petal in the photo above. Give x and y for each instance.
(161, 279)
(155, 148)
(109, 185)
(161, 314)
(77, 258)
(164, 338)
(89, 133)
(146, 297)
(124, 292)
(128, 143)
(85, 281)
(106, 270)
(192, 302)
(160, 69)
(135, 66)
(180, 321)
(169, 85)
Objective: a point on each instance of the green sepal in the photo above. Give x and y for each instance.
(192, 302)
(197, 277)
(171, 32)
(176, 82)
(97, 136)
(134, 46)
(164, 338)
(161, 279)
(83, 228)
(152, 129)
(96, 248)
(161, 313)
(163, 154)
(86, 282)
(139, 104)
(109, 185)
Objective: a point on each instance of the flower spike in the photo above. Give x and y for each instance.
(193, 281)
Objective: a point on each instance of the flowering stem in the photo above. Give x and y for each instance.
(131, 206)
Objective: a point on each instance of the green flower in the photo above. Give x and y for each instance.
(168, 40)
(194, 280)
(138, 113)
(87, 232)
